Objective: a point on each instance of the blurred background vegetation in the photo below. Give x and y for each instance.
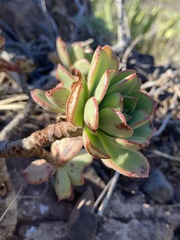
(32, 30)
(157, 22)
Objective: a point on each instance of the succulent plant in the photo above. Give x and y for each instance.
(71, 160)
(110, 107)
(72, 56)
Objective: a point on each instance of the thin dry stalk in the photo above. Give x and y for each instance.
(19, 119)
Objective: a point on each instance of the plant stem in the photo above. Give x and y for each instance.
(33, 145)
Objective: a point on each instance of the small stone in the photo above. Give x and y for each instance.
(82, 222)
(158, 187)
(84, 225)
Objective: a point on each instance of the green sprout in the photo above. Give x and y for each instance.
(110, 107)
(72, 56)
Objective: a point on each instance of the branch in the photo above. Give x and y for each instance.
(123, 32)
(33, 145)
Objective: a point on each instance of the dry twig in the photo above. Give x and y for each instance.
(105, 195)
(109, 193)
(20, 118)
(128, 51)
(163, 126)
(123, 31)
(165, 155)
(10, 205)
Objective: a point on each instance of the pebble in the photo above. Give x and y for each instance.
(158, 188)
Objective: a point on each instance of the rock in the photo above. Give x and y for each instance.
(132, 218)
(125, 208)
(158, 187)
(82, 222)
(34, 207)
(135, 230)
(56, 230)
(84, 226)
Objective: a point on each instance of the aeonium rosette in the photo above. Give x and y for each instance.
(71, 160)
(110, 107)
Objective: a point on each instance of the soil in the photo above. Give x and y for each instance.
(138, 208)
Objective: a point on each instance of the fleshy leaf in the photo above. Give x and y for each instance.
(129, 103)
(63, 75)
(129, 162)
(39, 97)
(78, 50)
(38, 171)
(114, 100)
(81, 159)
(75, 175)
(125, 86)
(93, 144)
(121, 76)
(103, 85)
(88, 53)
(91, 114)
(62, 184)
(75, 166)
(71, 53)
(138, 119)
(126, 165)
(137, 86)
(113, 61)
(135, 143)
(83, 65)
(98, 66)
(58, 96)
(145, 131)
(114, 123)
(144, 102)
(76, 102)
(62, 52)
(66, 148)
